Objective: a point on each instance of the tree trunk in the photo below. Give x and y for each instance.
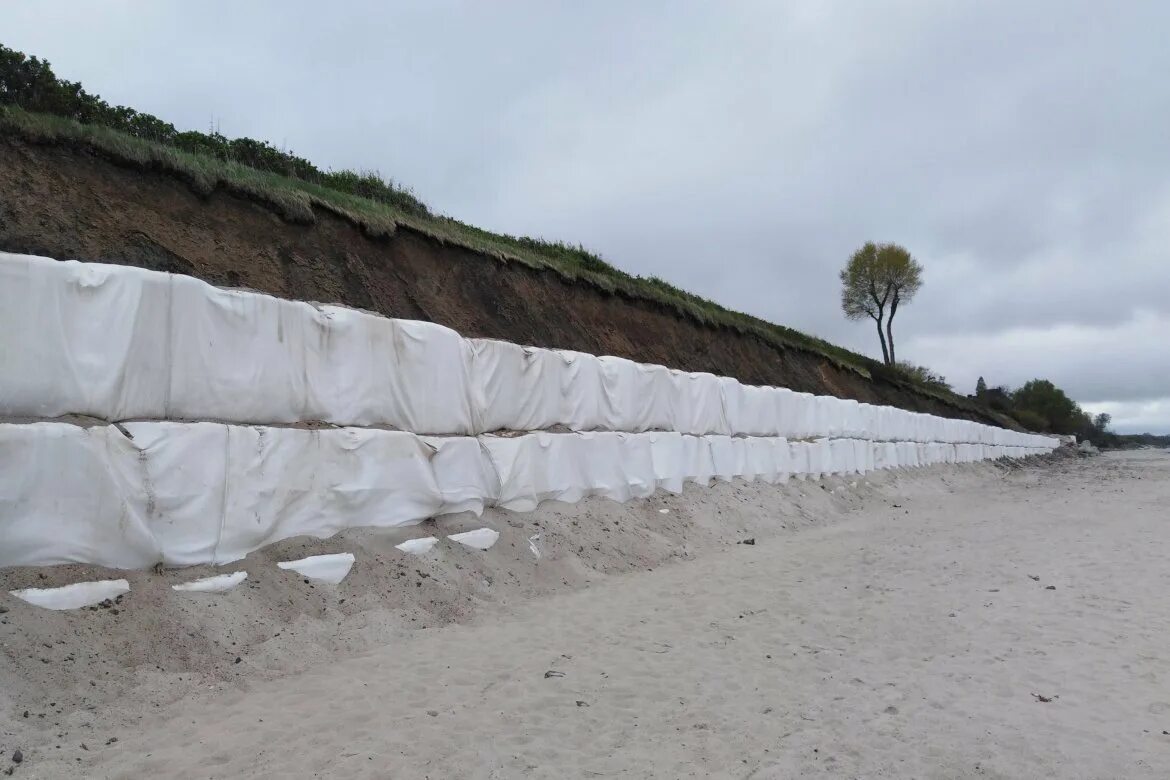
(890, 330)
(882, 338)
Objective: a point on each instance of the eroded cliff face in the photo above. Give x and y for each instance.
(70, 203)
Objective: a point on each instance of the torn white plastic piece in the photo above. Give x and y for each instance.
(479, 539)
(532, 540)
(219, 583)
(418, 546)
(325, 568)
(81, 594)
(664, 511)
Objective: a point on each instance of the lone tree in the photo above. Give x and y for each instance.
(878, 279)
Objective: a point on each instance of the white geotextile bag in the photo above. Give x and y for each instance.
(698, 463)
(583, 391)
(750, 410)
(885, 455)
(236, 355)
(538, 467)
(727, 457)
(431, 391)
(785, 411)
(517, 388)
(698, 406)
(351, 376)
(217, 492)
(464, 474)
(768, 458)
(290, 482)
(668, 459)
(72, 495)
(636, 397)
(820, 458)
(81, 338)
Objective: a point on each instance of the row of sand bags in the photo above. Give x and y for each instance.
(210, 493)
(121, 343)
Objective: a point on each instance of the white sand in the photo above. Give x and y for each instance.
(861, 639)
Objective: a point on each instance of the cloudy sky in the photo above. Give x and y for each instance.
(741, 150)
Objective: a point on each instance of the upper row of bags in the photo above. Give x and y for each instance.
(119, 343)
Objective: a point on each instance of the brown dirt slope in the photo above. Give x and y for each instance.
(70, 203)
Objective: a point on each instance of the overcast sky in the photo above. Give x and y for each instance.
(741, 150)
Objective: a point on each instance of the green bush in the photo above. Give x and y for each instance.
(1049, 402)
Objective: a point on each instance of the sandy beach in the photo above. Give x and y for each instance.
(967, 621)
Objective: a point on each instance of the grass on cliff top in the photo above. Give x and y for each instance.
(295, 200)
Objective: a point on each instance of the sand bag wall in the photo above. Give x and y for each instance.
(415, 405)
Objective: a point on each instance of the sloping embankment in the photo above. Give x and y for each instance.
(69, 202)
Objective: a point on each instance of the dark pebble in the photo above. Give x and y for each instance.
(17, 756)
(238, 659)
(1050, 587)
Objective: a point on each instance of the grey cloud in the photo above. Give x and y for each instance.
(1125, 363)
(738, 150)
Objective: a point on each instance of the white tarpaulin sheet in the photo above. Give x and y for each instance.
(479, 539)
(75, 596)
(217, 583)
(331, 568)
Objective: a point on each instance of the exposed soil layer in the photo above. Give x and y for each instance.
(69, 203)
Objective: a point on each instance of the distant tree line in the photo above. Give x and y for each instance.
(1043, 407)
(29, 82)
